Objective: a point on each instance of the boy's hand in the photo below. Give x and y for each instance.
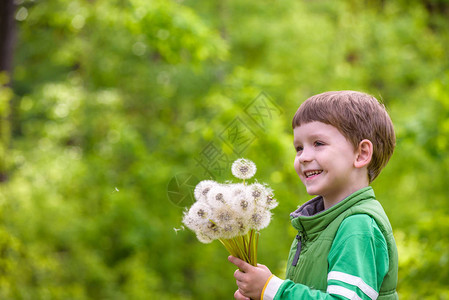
(239, 296)
(250, 280)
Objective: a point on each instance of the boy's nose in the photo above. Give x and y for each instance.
(305, 156)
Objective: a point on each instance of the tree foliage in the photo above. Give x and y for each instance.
(114, 100)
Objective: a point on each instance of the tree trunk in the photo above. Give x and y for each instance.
(7, 35)
(7, 39)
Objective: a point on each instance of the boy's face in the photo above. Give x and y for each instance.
(325, 161)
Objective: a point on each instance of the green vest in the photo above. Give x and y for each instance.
(317, 232)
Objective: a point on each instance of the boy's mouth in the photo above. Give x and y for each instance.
(311, 173)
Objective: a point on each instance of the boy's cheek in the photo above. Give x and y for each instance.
(298, 168)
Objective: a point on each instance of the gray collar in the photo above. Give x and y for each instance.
(310, 208)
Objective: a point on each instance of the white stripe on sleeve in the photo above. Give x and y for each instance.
(272, 288)
(342, 291)
(354, 280)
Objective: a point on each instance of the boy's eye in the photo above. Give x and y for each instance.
(298, 148)
(318, 143)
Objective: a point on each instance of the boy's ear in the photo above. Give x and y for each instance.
(364, 154)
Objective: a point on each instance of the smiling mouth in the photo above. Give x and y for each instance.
(309, 174)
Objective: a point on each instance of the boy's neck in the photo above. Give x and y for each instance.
(331, 201)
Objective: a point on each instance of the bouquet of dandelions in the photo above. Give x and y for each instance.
(232, 213)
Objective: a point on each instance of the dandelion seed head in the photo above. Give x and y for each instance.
(189, 222)
(228, 228)
(201, 213)
(211, 226)
(237, 189)
(268, 199)
(243, 205)
(211, 229)
(241, 226)
(229, 231)
(257, 191)
(201, 210)
(203, 188)
(263, 195)
(256, 217)
(204, 238)
(243, 168)
(229, 209)
(218, 196)
(236, 227)
(197, 215)
(223, 215)
(270, 202)
(260, 219)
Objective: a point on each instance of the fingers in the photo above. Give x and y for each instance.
(239, 275)
(263, 267)
(239, 296)
(245, 267)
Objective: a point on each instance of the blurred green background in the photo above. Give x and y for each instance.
(113, 109)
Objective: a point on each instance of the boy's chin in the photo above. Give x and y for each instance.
(312, 193)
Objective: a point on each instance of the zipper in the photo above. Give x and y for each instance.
(298, 250)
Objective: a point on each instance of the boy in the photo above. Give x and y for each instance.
(345, 247)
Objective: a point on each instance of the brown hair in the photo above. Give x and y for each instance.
(357, 116)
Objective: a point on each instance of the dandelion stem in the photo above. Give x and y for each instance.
(243, 246)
